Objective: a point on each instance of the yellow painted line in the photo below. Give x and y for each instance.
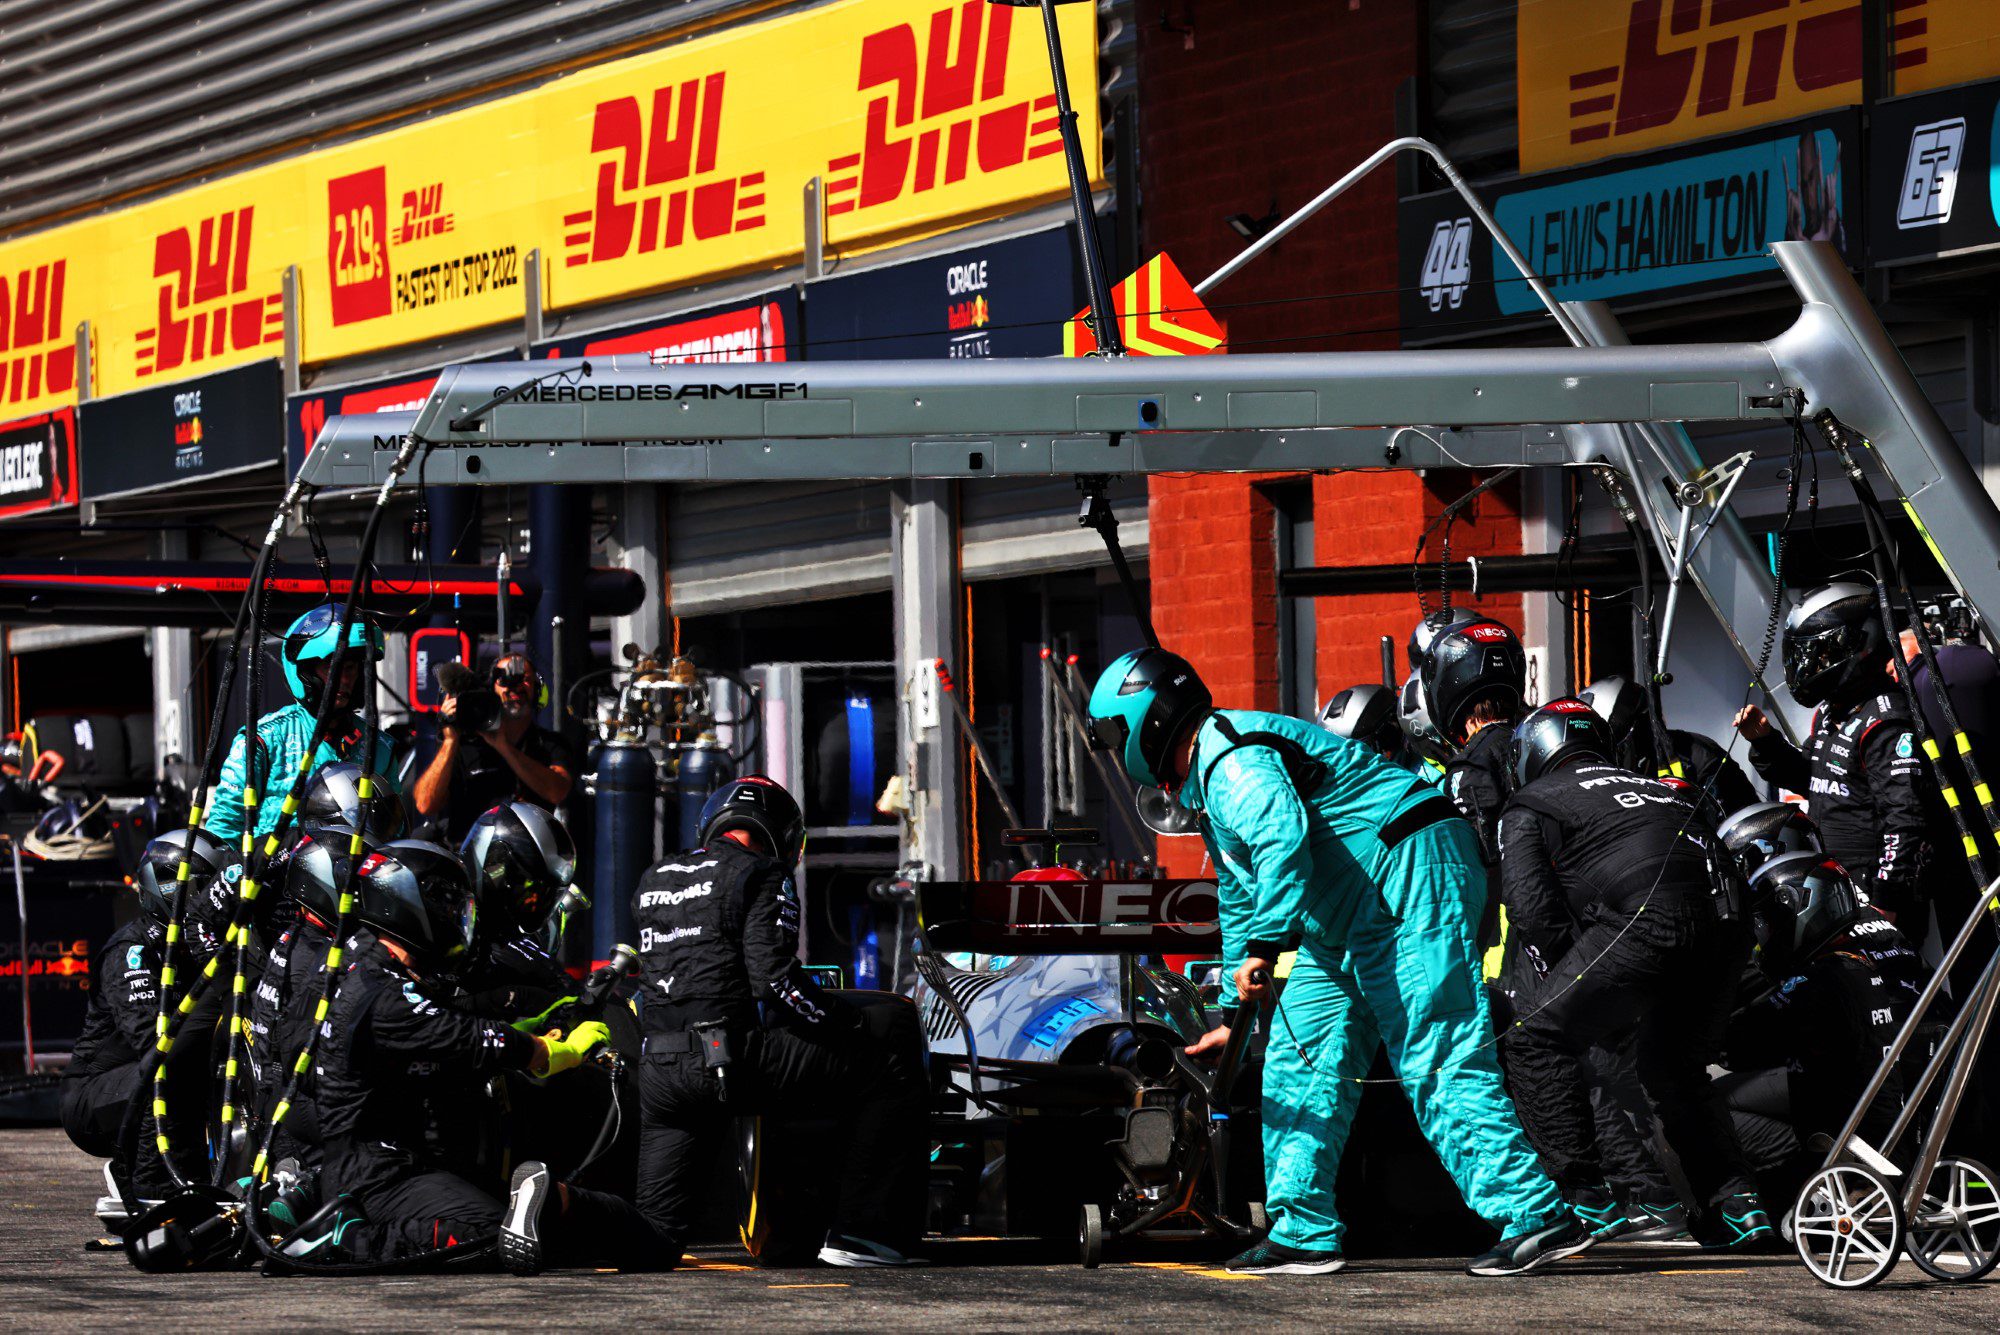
(808, 1286)
(1223, 1274)
(1704, 1272)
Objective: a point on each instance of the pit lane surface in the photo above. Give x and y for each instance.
(47, 1281)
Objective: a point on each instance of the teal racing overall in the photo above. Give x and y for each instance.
(1318, 841)
(284, 733)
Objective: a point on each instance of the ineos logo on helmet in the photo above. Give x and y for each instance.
(1479, 662)
(1558, 733)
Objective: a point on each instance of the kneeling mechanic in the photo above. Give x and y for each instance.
(401, 1064)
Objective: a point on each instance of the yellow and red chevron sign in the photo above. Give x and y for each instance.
(1158, 314)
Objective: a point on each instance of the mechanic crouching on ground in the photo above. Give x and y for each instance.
(490, 757)
(402, 1065)
(118, 1030)
(1320, 843)
(734, 1025)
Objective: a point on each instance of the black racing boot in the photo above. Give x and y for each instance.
(1534, 1249)
(1656, 1221)
(1600, 1212)
(521, 1228)
(1275, 1258)
(1738, 1224)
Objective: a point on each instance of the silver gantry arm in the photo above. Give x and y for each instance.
(628, 420)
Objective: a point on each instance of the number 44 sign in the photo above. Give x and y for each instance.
(1447, 270)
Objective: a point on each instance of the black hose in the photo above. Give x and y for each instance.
(125, 1156)
(1887, 565)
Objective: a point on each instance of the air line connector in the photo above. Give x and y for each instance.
(1843, 442)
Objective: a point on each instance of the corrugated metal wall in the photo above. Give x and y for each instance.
(750, 544)
(1471, 100)
(111, 98)
(106, 99)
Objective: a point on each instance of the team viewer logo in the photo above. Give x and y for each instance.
(943, 110)
(1930, 176)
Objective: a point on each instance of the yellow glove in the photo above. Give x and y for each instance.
(564, 1053)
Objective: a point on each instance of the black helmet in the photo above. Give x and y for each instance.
(1425, 633)
(332, 805)
(1142, 705)
(314, 872)
(761, 806)
(1480, 660)
(1558, 732)
(1756, 834)
(208, 898)
(417, 894)
(1834, 642)
(520, 861)
(1365, 714)
(1799, 903)
(1415, 720)
(1618, 702)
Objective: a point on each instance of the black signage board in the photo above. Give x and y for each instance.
(183, 432)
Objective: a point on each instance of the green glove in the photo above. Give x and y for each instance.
(566, 1052)
(532, 1025)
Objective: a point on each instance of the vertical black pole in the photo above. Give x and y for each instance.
(1106, 330)
(559, 520)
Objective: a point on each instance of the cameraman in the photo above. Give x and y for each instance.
(512, 760)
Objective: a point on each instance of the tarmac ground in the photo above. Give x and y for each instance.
(49, 1280)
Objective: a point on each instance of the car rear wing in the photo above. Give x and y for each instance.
(1152, 917)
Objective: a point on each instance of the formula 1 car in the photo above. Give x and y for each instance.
(1065, 1099)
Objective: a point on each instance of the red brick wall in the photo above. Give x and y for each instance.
(1244, 105)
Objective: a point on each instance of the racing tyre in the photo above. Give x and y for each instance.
(1848, 1227)
(1090, 1236)
(1956, 1232)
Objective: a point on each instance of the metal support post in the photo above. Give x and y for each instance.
(173, 672)
(927, 593)
(638, 543)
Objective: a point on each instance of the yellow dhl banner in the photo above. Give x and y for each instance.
(1605, 77)
(651, 172)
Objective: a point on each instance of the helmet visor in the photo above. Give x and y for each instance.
(1808, 657)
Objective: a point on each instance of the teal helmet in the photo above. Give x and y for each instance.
(1140, 707)
(312, 639)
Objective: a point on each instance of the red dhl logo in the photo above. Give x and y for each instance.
(648, 195)
(943, 110)
(423, 215)
(206, 308)
(1745, 52)
(37, 355)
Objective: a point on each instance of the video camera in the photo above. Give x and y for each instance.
(478, 707)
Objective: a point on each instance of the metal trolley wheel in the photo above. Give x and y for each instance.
(1956, 1233)
(1848, 1227)
(1090, 1236)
